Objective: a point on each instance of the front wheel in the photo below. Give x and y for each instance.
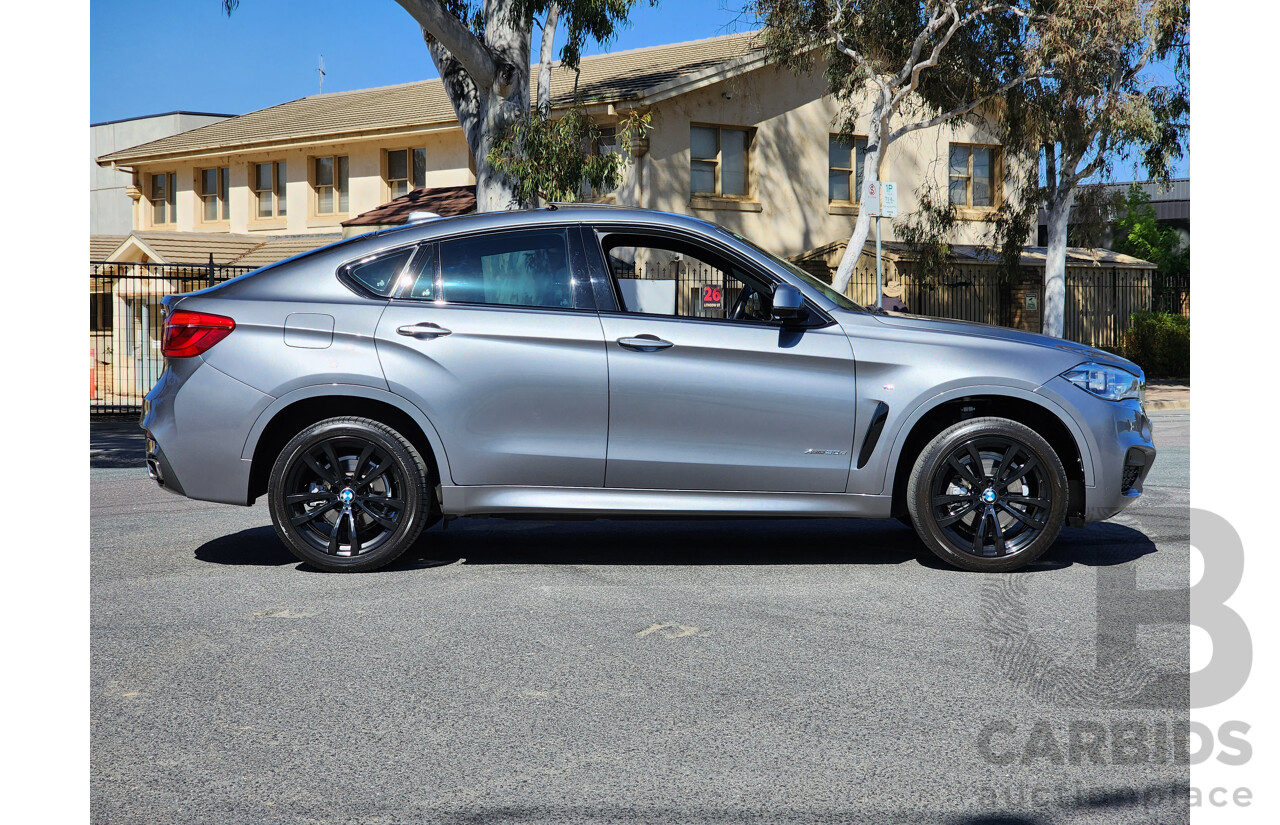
(349, 495)
(988, 494)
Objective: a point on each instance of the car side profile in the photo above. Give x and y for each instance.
(606, 362)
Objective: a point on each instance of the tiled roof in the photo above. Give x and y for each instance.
(445, 201)
(966, 253)
(227, 249)
(606, 77)
(100, 246)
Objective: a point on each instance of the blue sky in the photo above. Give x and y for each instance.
(151, 56)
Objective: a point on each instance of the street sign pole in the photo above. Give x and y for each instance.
(879, 269)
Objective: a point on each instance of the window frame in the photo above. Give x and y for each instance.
(609, 296)
(170, 199)
(279, 190)
(416, 258)
(854, 171)
(748, 145)
(583, 298)
(221, 193)
(411, 183)
(338, 190)
(997, 176)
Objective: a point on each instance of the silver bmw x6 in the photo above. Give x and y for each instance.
(587, 361)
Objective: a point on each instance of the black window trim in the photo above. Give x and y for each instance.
(360, 288)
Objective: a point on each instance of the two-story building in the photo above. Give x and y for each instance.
(734, 139)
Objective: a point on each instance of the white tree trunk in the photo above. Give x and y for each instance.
(862, 226)
(1055, 262)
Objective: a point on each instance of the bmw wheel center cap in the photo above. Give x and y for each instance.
(989, 496)
(347, 495)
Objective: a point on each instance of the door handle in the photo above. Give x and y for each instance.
(424, 329)
(645, 343)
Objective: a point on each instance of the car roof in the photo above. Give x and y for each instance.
(550, 215)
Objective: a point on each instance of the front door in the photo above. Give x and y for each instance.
(706, 392)
(504, 353)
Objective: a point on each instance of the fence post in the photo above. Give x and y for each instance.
(210, 269)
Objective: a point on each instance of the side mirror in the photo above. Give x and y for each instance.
(788, 303)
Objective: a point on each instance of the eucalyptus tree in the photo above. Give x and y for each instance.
(1118, 84)
(912, 64)
(482, 51)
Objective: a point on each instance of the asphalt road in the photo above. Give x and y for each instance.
(628, 672)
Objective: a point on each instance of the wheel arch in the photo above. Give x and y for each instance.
(1041, 414)
(291, 412)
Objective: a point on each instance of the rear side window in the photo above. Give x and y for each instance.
(525, 269)
(379, 273)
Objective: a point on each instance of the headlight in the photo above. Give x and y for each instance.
(1111, 383)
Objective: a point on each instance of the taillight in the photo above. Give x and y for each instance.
(193, 333)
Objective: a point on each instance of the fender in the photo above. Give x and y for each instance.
(1036, 395)
(350, 390)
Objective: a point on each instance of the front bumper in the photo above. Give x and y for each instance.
(1120, 446)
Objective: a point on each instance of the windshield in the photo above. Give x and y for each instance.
(830, 294)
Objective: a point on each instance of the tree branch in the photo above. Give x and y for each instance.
(547, 52)
(465, 47)
(964, 109)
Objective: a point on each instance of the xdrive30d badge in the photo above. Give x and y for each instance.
(595, 361)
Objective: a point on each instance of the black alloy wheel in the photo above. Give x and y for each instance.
(988, 494)
(349, 494)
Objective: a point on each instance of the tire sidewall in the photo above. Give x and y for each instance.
(417, 508)
(920, 496)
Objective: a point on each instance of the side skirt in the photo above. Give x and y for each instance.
(602, 502)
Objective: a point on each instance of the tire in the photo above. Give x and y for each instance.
(988, 495)
(346, 475)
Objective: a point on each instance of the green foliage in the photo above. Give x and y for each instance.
(1137, 233)
(1160, 343)
(926, 231)
(550, 158)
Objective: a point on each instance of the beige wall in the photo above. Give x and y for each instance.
(447, 165)
(787, 210)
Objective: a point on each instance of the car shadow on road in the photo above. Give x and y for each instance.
(683, 542)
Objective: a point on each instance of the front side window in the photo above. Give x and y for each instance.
(527, 269)
(718, 160)
(269, 189)
(844, 172)
(658, 276)
(406, 170)
(213, 194)
(972, 175)
(330, 178)
(164, 187)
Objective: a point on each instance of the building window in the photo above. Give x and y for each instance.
(973, 175)
(844, 172)
(330, 176)
(406, 170)
(213, 193)
(606, 143)
(718, 160)
(269, 188)
(164, 200)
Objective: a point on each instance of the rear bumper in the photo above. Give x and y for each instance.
(159, 469)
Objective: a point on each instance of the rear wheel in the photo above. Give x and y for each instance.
(988, 494)
(350, 495)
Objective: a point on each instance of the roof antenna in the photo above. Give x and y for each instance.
(321, 72)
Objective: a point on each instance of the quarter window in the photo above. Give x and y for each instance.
(529, 269)
(379, 273)
(406, 170)
(330, 177)
(844, 172)
(972, 175)
(269, 188)
(718, 160)
(164, 208)
(213, 194)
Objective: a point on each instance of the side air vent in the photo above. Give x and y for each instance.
(873, 433)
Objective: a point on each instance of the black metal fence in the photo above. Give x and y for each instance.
(126, 326)
(1171, 293)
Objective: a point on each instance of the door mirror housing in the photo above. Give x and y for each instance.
(788, 303)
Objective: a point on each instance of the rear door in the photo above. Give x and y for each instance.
(706, 391)
(495, 337)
